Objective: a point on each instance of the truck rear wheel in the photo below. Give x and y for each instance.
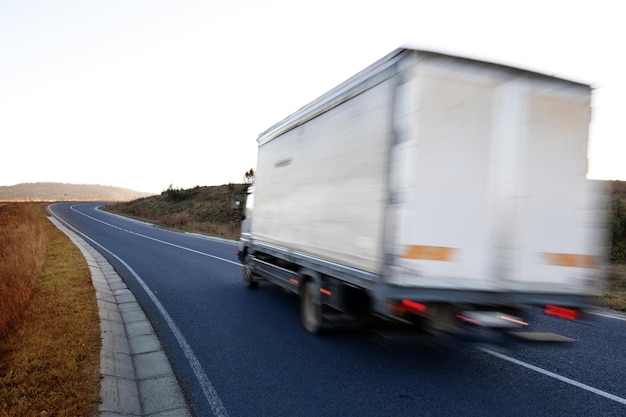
(311, 314)
(248, 276)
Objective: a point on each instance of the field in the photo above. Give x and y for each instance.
(49, 323)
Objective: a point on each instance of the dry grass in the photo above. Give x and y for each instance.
(49, 358)
(615, 295)
(22, 256)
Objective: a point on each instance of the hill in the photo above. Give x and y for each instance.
(199, 209)
(53, 191)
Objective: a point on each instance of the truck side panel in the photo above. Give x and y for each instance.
(321, 187)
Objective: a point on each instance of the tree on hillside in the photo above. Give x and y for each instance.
(248, 177)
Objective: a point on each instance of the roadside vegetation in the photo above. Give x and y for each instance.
(49, 323)
(615, 293)
(207, 210)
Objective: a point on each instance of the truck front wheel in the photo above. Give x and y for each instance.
(311, 314)
(248, 276)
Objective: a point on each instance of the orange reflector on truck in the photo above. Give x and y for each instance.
(562, 312)
(325, 291)
(433, 253)
(569, 259)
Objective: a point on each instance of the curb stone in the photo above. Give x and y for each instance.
(137, 378)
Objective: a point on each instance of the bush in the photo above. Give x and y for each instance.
(618, 228)
(179, 194)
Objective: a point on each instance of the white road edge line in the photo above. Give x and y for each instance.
(609, 315)
(555, 376)
(207, 388)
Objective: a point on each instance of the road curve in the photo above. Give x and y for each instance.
(238, 352)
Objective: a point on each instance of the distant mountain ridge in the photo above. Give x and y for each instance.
(55, 191)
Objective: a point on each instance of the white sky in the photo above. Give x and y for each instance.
(142, 94)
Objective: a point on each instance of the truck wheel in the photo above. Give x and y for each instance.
(311, 314)
(248, 276)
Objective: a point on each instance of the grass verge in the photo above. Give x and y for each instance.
(50, 356)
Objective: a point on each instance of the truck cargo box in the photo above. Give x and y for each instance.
(447, 176)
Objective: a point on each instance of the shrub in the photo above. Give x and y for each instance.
(618, 228)
(179, 194)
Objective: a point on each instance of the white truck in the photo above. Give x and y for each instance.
(429, 190)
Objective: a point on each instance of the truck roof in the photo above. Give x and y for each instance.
(379, 71)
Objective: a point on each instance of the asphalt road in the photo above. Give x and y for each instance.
(239, 352)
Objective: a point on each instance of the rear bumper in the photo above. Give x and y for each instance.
(391, 293)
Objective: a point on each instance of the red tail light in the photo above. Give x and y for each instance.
(414, 306)
(562, 312)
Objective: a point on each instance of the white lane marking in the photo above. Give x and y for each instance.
(207, 388)
(208, 255)
(609, 315)
(128, 219)
(555, 376)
